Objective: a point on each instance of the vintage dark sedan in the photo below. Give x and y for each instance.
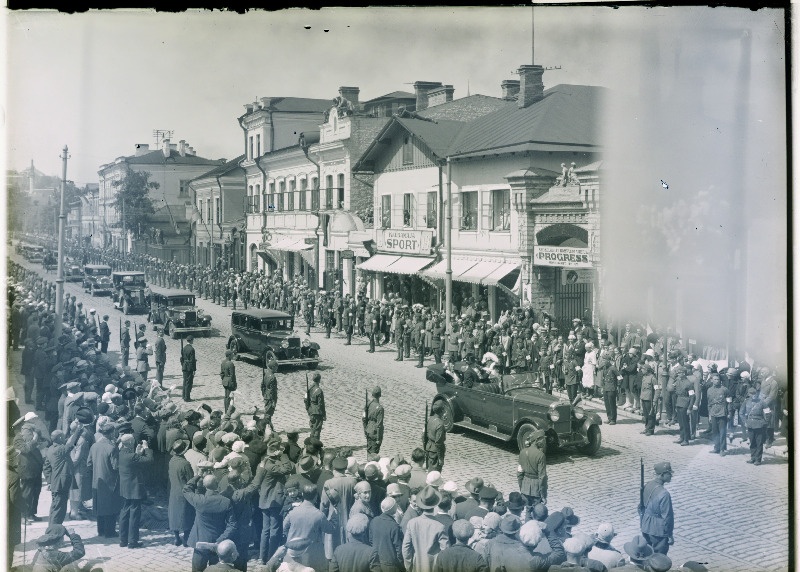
(267, 335)
(511, 407)
(176, 310)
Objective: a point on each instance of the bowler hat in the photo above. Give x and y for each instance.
(428, 498)
(515, 501)
(305, 464)
(638, 549)
(179, 447)
(128, 393)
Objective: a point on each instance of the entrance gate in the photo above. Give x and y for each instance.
(573, 300)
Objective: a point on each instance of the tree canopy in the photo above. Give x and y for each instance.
(132, 200)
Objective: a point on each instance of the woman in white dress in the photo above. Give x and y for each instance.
(589, 366)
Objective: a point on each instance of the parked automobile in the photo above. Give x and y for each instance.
(73, 273)
(176, 310)
(97, 279)
(129, 296)
(33, 253)
(267, 335)
(510, 407)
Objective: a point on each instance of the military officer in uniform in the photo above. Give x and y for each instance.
(435, 437)
(684, 399)
(437, 335)
(373, 422)
(125, 343)
(657, 520)
(532, 470)
(269, 391)
(188, 367)
(227, 373)
(105, 335)
(399, 336)
(348, 320)
(371, 318)
(160, 356)
(315, 406)
(718, 399)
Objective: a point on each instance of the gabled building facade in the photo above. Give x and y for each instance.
(217, 215)
(505, 244)
(172, 167)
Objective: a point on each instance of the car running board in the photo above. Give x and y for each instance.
(485, 430)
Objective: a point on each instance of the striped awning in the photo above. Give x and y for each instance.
(395, 264)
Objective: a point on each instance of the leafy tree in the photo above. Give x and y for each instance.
(132, 201)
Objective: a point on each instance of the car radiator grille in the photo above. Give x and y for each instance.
(191, 318)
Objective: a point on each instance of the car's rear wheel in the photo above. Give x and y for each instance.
(233, 345)
(447, 414)
(595, 440)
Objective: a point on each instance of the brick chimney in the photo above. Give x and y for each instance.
(142, 149)
(510, 88)
(182, 147)
(421, 88)
(531, 88)
(440, 95)
(165, 147)
(191, 151)
(350, 94)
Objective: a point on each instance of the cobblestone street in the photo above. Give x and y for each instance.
(716, 499)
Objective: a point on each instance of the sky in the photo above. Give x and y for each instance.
(102, 81)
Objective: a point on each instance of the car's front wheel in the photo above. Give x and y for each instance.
(524, 434)
(447, 414)
(269, 356)
(595, 440)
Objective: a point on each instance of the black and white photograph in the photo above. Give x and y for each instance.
(398, 289)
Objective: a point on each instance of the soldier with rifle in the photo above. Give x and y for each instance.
(269, 391)
(373, 421)
(315, 405)
(433, 439)
(124, 342)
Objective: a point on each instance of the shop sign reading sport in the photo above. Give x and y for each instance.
(405, 241)
(564, 256)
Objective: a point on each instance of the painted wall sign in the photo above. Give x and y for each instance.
(563, 256)
(404, 241)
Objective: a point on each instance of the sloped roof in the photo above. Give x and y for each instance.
(223, 169)
(465, 108)
(299, 104)
(157, 157)
(438, 136)
(393, 95)
(567, 115)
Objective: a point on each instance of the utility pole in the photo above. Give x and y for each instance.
(448, 281)
(60, 274)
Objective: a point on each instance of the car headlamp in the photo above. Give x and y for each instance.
(285, 344)
(306, 343)
(579, 413)
(553, 413)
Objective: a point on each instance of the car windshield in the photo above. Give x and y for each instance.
(181, 301)
(133, 280)
(272, 324)
(137, 296)
(517, 380)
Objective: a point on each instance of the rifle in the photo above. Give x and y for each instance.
(425, 435)
(641, 487)
(366, 407)
(307, 399)
(120, 332)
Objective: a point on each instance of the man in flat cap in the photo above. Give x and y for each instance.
(373, 422)
(658, 520)
(49, 556)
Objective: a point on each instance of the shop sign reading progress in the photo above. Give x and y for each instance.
(564, 256)
(405, 241)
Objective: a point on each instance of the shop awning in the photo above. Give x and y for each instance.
(292, 245)
(477, 273)
(378, 263)
(266, 256)
(409, 264)
(459, 266)
(505, 275)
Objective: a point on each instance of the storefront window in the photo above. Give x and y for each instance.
(469, 210)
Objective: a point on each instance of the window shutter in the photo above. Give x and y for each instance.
(486, 210)
(397, 211)
(422, 210)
